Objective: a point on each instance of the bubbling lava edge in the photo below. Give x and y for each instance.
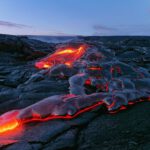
(52, 110)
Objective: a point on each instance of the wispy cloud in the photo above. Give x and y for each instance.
(13, 25)
(103, 30)
(122, 30)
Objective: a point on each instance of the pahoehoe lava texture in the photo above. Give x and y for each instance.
(106, 74)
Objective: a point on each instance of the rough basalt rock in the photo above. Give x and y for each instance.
(22, 85)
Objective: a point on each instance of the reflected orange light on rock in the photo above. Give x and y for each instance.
(65, 56)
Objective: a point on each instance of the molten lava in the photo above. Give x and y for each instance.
(9, 121)
(95, 68)
(9, 126)
(48, 109)
(12, 122)
(65, 56)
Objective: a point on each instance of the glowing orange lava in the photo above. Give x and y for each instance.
(11, 125)
(9, 121)
(65, 56)
(95, 68)
(12, 122)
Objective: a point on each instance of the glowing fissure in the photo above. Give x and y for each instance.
(95, 68)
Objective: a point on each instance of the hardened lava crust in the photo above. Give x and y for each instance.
(92, 91)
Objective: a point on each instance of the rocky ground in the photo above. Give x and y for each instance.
(97, 129)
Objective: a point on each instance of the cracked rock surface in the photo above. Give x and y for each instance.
(21, 85)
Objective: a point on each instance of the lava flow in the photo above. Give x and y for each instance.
(10, 121)
(65, 56)
(116, 91)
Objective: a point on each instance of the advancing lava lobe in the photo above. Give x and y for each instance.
(59, 107)
(67, 56)
(55, 107)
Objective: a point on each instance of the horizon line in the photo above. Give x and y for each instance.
(74, 35)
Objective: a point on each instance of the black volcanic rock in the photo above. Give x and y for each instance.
(21, 85)
(23, 48)
(123, 131)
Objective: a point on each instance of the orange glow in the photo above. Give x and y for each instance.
(66, 51)
(35, 114)
(68, 64)
(7, 126)
(51, 117)
(11, 123)
(95, 68)
(65, 56)
(46, 66)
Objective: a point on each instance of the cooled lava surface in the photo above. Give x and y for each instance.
(71, 85)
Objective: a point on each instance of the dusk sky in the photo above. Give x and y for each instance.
(75, 17)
